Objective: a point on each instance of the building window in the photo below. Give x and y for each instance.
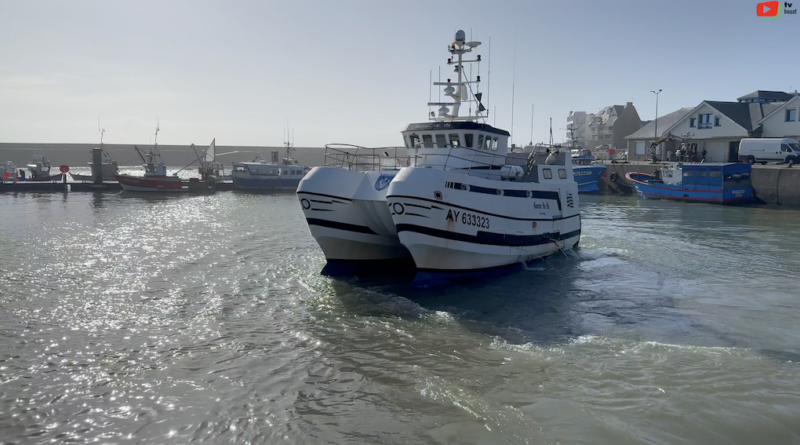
(705, 121)
(639, 147)
(791, 115)
(693, 122)
(547, 173)
(716, 122)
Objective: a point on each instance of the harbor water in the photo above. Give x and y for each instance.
(128, 318)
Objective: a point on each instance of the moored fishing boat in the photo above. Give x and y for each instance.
(155, 177)
(722, 183)
(260, 175)
(41, 169)
(108, 166)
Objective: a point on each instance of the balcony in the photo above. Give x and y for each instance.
(704, 126)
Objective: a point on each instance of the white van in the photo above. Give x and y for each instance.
(765, 150)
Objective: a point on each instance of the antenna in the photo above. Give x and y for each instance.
(531, 124)
(489, 78)
(513, 81)
(494, 115)
(101, 131)
(551, 132)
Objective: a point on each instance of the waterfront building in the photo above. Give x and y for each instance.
(607, 127)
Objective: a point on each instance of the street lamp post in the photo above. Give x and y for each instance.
(656, 125)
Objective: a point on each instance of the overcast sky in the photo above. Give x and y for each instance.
(357, 71)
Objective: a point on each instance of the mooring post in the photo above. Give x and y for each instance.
(97, 166)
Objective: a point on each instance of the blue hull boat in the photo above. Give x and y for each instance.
(587, 176)
(713, 183)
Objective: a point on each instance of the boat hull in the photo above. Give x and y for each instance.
(53, 178)
(163, 184)
(240, 183)
(349, 218)
(647, 186)
(455, 225)
(587, 177)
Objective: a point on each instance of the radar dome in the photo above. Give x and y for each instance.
(460, 36)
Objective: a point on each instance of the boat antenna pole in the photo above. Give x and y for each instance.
(101, 131)
(513, 83)
(532, 124)
(489, 80)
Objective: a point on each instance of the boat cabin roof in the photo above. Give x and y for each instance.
(447, 126)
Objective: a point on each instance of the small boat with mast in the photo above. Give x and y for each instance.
(155, 177)
(260, 175)
(109, 167)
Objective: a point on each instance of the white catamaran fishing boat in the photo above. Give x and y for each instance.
(466, 207)
(463, 206)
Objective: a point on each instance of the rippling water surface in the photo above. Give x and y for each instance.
(203, 319)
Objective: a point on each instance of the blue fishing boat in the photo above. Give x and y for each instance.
(714, 183)
(587, 174)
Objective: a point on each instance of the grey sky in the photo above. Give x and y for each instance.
(357, 71)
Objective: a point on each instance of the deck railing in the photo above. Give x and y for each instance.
(357, 158)
(476, 162)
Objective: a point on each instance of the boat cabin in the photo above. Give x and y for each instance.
(715, 176)
(457, 145)
(267, 171)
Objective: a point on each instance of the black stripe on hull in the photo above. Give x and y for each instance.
(490, 238)
(481, 211)
(339, 226)
(326, 196)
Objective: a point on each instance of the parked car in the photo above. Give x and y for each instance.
(763, 150)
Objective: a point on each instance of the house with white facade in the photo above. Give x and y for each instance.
(783, 121)
(639, 142)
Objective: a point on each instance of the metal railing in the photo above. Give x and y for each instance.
(357, 158)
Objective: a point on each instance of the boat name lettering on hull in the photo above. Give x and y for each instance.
(541, 205)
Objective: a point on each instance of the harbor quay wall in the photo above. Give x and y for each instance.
(774, 184)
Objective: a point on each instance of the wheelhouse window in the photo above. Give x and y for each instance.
(701, 173)
(688, 174)
(562, 173)
(454, 141)
(480, 142)
(715, 173)
(488, 143)
(412, 141)
(468, 140)
(427, 141)
(547, 173)
(441, 141)
(791, 115)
